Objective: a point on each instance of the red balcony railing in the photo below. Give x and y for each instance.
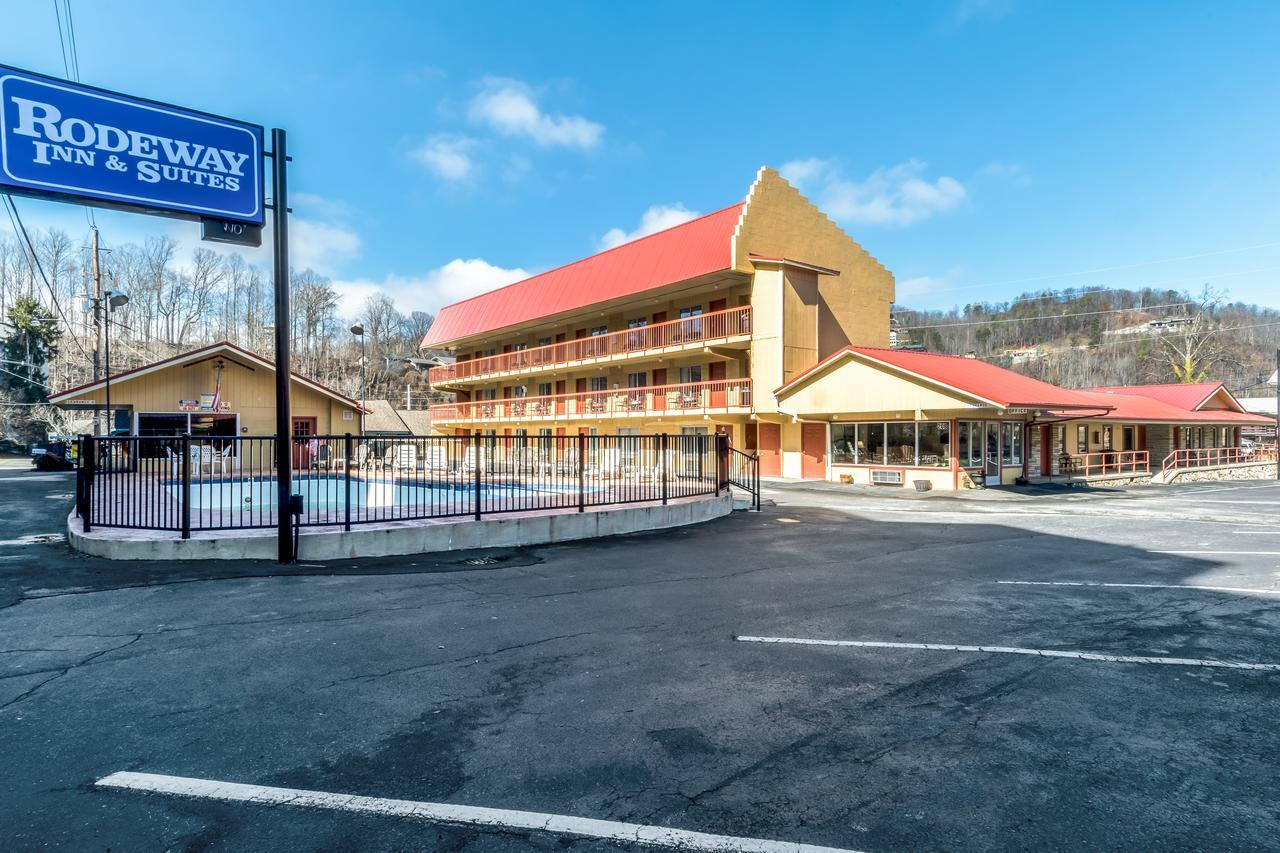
(1209, 457)
(729, 323)
(688, 398)
(1105, 462)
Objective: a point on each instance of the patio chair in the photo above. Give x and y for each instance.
(474, 458)
(403, 457)
(437, 459)
(366, 458)
(610, 466)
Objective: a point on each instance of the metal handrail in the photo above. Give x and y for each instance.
(676, 399)
(1110, 462)
(1208, 457)
(727, 323)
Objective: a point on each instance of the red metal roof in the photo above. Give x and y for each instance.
(968, 375)
(694, 248)
(1187, 397)
(1169, 403)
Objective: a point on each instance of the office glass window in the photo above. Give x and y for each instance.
(1011, 452)
(872, 436)
(935, 444)
(900, 443)
(844, 444)
(969, 444)
(1082, 439)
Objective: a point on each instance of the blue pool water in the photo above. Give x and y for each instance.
(330, 492)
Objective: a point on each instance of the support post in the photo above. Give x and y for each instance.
(280, 272)
(186, 485)
(1277, 447)
(88, 462)
(582, 472)
(475, 458)
(346, 467)
(662, 465)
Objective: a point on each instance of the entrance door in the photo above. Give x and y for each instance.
(770, 436)
(717, 375)
(303, 450)
(991, 457)
(813, 447)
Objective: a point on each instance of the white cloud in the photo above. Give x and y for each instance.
(447, 155)
(458, 279)
(509, 107)
(322, 246)
(895, 195)
(657, 218)
(1014, 173)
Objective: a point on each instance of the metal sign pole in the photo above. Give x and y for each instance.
(280, 270)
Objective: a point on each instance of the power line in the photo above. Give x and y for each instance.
(33, 260)
(1046, 316)
(71, 65)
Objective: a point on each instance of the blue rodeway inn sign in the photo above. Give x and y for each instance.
(80, 143)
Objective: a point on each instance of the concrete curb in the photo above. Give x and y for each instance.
(401, 537)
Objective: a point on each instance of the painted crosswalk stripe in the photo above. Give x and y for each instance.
(1013, 650)
(1242, 590)
(499, 820)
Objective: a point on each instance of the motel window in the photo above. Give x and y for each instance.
(599, 383)
(637, 323)
(935, 445)
(544, 389)
(1226, 437)
(1107, 438)
(1082, 438)
(596, 331)
(544, 342)
(690, 311)
(1011, 452)
(522, 390)
(691, 373)
(487, 394)
(1059, 439)
(485, 353)
(636, 380)
(519, 347)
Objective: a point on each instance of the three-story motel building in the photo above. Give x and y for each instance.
(763, 321)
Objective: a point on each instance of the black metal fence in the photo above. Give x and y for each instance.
(186, 483)
(743, 470)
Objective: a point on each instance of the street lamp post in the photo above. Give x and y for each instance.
(358, 329)
(114, 299)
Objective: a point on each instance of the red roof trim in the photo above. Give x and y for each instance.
(690, 249)
(180, 357)
(986, 388)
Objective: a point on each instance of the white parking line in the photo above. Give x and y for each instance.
(1012, 650)
(455, 815)
(1255, 533)
(1224, 553)
(1234, 589)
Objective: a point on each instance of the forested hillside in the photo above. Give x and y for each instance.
(1105, 336)
(48, 336)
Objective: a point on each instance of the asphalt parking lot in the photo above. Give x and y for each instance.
(610, 681)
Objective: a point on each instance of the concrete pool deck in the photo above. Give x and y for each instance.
(394, 538)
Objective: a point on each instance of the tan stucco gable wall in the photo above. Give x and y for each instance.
(251, 393)
(780, 222)
(857, 389)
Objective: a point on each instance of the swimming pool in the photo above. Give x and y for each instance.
(320, 493)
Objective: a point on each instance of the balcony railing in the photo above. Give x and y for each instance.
(729, 323)
(690, 398)
(1104, 462)
(1210, 457)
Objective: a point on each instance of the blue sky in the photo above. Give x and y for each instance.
(978, 149)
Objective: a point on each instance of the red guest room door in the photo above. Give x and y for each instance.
(813, 447)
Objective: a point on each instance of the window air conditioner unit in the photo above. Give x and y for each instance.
(886, 478)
